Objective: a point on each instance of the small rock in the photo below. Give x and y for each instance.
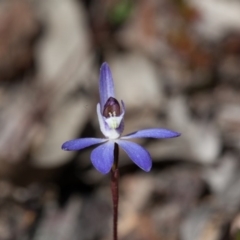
(65, 44)
(217, 17)
(137, 83)
(18, 30)
(221, 176)
(228, 116)
(57, 223)
(202, 140)
(64, 125)
(203, 223)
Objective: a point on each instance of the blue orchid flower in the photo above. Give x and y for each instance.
(111, 120)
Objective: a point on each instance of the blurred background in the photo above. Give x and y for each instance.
(176, 65)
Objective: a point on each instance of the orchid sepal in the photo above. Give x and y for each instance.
(106, 85)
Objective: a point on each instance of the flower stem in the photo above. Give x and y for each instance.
(114, 188)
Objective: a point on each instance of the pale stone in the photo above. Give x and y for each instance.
(65, 70)
(136, 82)
(217, 17)
(65, 38)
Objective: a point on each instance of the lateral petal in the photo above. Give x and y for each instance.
(102, 157)
(152, 133)
(138, 154)
(81, 143)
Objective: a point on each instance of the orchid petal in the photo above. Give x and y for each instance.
(106, 86)
(102, 157)
(152, 133)
(101, 121)
(120, 129)
(121, 126)
(123, 107)
(138, 154)
(78, 144)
